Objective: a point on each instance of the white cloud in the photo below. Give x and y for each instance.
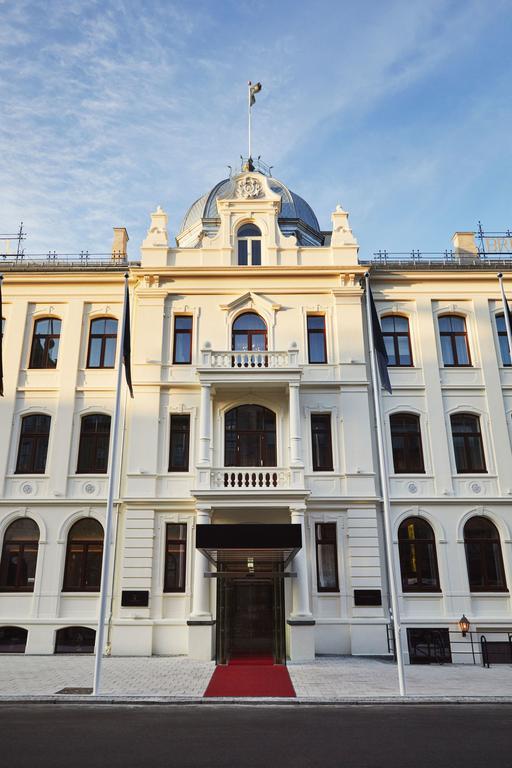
(115, 107)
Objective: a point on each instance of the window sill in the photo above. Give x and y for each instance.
(47, 370)
(80, 593)
(419, 593)
(495, 593)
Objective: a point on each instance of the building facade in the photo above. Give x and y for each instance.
(248, 506)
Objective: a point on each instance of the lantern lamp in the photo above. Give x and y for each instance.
(464, 625)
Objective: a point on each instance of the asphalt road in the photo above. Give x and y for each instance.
(413, 736)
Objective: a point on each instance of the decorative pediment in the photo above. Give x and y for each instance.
(251, 300)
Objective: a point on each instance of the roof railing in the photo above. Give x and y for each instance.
(480, 248)
(54, 260)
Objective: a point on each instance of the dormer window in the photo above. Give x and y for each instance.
(249, 245)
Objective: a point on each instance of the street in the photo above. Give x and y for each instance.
(367, 736)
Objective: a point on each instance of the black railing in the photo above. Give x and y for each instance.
(427, 259)
(443, 646)
(64, 261)
(489, 247)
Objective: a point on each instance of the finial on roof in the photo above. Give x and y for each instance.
(248, 165)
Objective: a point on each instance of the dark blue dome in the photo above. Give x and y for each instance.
(294, 208)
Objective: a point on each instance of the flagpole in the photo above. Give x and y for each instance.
(107, 545)
(385, 495)
(506, 314)
(249, 114)
(1, 341)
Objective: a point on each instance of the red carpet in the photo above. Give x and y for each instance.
(250, 677)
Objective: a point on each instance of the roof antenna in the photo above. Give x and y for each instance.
(230, 171)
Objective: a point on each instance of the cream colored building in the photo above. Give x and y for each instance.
(251, 406)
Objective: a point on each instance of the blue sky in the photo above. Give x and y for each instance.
(398, 110)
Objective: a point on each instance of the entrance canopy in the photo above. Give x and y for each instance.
(252, 547)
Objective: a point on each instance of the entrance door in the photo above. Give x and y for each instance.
(252, 619)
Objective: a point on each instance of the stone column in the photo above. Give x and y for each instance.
(300, 590)
(200, 622)
(205, 425)
(301, 624)
(295, 426)
(201, 585)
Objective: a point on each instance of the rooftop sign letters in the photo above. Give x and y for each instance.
(498, 244)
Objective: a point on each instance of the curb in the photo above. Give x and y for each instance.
(246, 701)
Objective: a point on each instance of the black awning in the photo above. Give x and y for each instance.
(236, 543)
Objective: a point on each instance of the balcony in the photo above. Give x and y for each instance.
(253, 478)
(235, 482)
(217, 366)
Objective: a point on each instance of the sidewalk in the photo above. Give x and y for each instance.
(325, 679)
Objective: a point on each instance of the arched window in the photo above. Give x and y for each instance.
(45, 343)
(82, 572)
(467, 443)
(406, 443)
(249, 333)
(483, 556)
(19, 556)
(75, 640)
(503, 339)
(94, 440)
(250, 437)
(395, 330)
(33, 445)
(249, 245)
(102, 343)
(418, 559)
(454, 341)
(13, 639)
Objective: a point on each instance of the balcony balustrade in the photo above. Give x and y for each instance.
(248, 359)
(250, 478)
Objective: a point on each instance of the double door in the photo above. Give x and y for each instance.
(250, 619)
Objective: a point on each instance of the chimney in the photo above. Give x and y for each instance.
(119, 243)
(464, 246)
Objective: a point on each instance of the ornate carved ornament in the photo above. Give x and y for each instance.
(249, 188)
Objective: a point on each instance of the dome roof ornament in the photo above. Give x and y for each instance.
(248, 165)
(249, 188)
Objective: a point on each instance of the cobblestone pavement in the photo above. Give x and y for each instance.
(178, 676)
(348, 676)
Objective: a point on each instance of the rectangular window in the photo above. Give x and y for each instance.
(182, 340)
(180, 442)
(321, 441)
(326, 557)
(317, 348)
(175, 557)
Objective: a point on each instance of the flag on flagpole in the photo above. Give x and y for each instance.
(506, 306)
(380, 347)
(253, 90)
(127, 347)
(1, 342)
(507, 314)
